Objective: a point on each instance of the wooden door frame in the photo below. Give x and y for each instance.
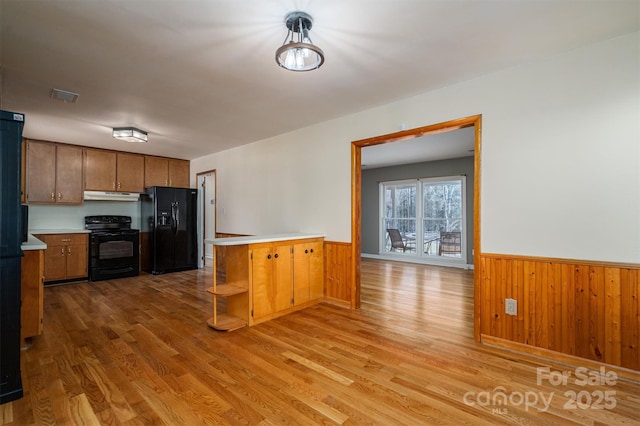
(356, 200)
(204, 208)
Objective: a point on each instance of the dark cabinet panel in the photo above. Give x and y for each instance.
(10, 255)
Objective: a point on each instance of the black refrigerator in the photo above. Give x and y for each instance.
(10, 254)
(169, 220)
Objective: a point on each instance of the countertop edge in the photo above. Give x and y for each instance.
(33, 243)
(256, 239)
(59, 231)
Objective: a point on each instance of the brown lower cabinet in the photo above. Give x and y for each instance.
(31, 287)
(66, 256)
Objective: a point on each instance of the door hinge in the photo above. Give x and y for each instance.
(252, 313)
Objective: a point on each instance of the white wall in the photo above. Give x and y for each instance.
(560, 159)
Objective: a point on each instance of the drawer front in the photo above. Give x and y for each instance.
(64, 239)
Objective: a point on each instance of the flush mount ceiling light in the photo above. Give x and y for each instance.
(64, 95)
(297, 52)
(129, 134)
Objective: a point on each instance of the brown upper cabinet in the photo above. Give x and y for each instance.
(159, 171)
(53, 173)
(113, 171)
(178, 173)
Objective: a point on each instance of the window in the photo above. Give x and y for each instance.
(429, 215)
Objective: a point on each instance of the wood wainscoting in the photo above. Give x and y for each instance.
(586, 309)
(337, 274)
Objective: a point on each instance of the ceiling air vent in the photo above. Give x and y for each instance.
(64, 95)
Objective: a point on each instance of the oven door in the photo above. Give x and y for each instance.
(114, 254)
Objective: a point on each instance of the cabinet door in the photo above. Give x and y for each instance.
(262, 282)
(316, 270)
(41, 172)
(99, 170)
(272, 280)
(156, 171)
(282, 276)
(130, 170)
(68, 175)
(308, 272)
(55, 263)
(301, 284)
(179, 173)
(77, 261)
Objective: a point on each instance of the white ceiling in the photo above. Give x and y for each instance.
(200, 75)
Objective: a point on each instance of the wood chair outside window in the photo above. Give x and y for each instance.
(397, 242)
(450, 243)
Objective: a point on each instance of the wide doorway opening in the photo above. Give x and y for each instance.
(432, 237)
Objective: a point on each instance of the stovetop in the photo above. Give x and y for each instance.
(107, 222)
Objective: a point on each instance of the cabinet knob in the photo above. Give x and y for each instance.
(119, 185)
(268, 256)
(113, 184)
(59, 195)
(62, 251)
(311, 250)
(306, 251)
(53, 196)
(68, 250)
(276, 255)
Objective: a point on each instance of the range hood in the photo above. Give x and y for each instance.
(110, 196)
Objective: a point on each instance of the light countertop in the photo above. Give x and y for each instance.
(60, 231)
(33, 244)
(255, 239)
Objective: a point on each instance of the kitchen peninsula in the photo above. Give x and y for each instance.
(267, 277)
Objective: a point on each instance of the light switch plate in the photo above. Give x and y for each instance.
(510, 306)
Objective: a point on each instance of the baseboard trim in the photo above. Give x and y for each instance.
(571, 360)
(337, 302)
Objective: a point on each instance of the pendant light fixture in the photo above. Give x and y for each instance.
(297, 52)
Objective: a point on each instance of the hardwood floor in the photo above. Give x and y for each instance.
(138, 351)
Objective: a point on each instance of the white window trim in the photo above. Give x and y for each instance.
(460, 262)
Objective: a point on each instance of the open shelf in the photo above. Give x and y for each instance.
(227, 290)
(225, 322)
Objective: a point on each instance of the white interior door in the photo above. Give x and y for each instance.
(207, 217)
(210, 211)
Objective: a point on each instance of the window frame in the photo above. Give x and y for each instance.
(420, 256)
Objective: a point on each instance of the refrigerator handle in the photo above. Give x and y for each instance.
(177, 215)
(174, 217)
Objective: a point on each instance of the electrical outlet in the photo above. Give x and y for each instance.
(510, 306)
